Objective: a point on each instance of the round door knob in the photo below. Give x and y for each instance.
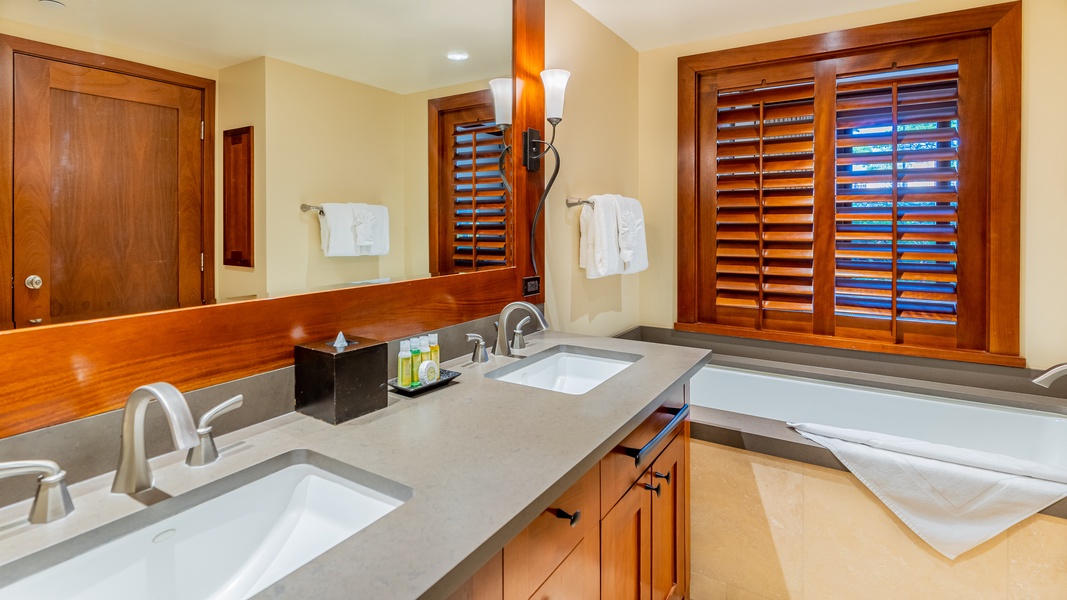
(34, 282)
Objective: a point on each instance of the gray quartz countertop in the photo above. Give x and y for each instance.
(484, 458)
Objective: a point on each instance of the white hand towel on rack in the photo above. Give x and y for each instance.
(371, 226)
(633, 251)
(336, 228)
(953, 498)
(600, 230)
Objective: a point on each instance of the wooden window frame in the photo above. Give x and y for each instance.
(1001, 25)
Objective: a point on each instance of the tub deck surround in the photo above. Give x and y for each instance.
(763, 432)
(484, 458)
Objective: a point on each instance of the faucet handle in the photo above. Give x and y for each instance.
(225, 407)
(206, 452)
(480, 354)
(52, 501)
(518, 341)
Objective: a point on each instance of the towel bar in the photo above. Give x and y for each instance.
(573, 202)
(307, 207)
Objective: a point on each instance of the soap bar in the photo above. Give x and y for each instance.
(428, 372)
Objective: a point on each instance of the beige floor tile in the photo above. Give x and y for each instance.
(747, 521)
(1037, 559)
(702, 587)
(856, 549)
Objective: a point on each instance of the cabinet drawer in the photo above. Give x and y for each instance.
(619, 469)
(532, 556)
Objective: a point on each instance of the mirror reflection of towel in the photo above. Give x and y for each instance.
(371, 227)
(337, 229)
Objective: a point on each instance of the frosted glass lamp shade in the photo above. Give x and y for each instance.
(501, 89)
(555, 85)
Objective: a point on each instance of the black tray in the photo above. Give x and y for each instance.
(446, 377)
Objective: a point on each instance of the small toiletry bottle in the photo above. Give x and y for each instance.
(403, 365)
(435, 349)
(416, 360)
(424, 350)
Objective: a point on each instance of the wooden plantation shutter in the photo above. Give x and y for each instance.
(763, 202)
(849, 199)
(469, 206)
(898, 175)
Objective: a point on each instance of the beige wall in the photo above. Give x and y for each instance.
(765, 528)
(329, 140)
(1044, 274)
(243, 102)
(598, 144)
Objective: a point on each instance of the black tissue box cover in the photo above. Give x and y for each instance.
(340, 385)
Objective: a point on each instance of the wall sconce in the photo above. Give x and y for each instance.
(502, 100)
(555, 82)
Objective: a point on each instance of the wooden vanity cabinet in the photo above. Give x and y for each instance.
(631, 539)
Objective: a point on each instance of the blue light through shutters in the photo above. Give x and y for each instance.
(897, 178)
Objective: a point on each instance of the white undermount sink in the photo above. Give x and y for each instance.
(567, 369)
(232, 541)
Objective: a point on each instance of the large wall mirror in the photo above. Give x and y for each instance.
(59, 372)
(337, 93)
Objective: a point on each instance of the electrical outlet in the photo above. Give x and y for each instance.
(531, 286)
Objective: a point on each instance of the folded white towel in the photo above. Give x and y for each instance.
(371, 222)
(599, 229)
(951, 497)
(336, 229)
(633, 251)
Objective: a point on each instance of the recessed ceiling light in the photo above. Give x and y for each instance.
(459, 55)
(52, 3)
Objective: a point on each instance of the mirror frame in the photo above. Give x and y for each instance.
(59, 373)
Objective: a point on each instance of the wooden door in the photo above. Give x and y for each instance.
(668, 522)
(107, 193)
(626, 546)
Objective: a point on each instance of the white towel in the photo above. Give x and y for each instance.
(599, 227)
(953, 498)
(633, 251)
(371, 223)
(337, 230)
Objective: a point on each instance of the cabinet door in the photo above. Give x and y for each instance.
(578, 576)
(668, 521)
(533, 555)
(626, 546)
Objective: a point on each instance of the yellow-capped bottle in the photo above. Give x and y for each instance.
(435, 351)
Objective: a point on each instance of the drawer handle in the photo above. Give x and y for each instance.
(573, 518)
(641, 454)
(666, 476)
(656, 488)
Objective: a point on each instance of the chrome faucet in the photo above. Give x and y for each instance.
(52, 501)
(1052, 374)
(503, 348)
(134, 475)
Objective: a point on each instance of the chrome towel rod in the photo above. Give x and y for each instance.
(573, 202)
(307, 207)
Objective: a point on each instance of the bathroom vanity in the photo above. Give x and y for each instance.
(510, 484)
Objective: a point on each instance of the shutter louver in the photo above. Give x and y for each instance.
(764, 198)
(897, 175)
(479, 204)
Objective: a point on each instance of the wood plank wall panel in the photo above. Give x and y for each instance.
(528, 34)
(55, 374)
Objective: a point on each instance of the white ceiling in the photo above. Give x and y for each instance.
(398, 45)
(650, 24)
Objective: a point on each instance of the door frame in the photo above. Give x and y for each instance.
(9, 47)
